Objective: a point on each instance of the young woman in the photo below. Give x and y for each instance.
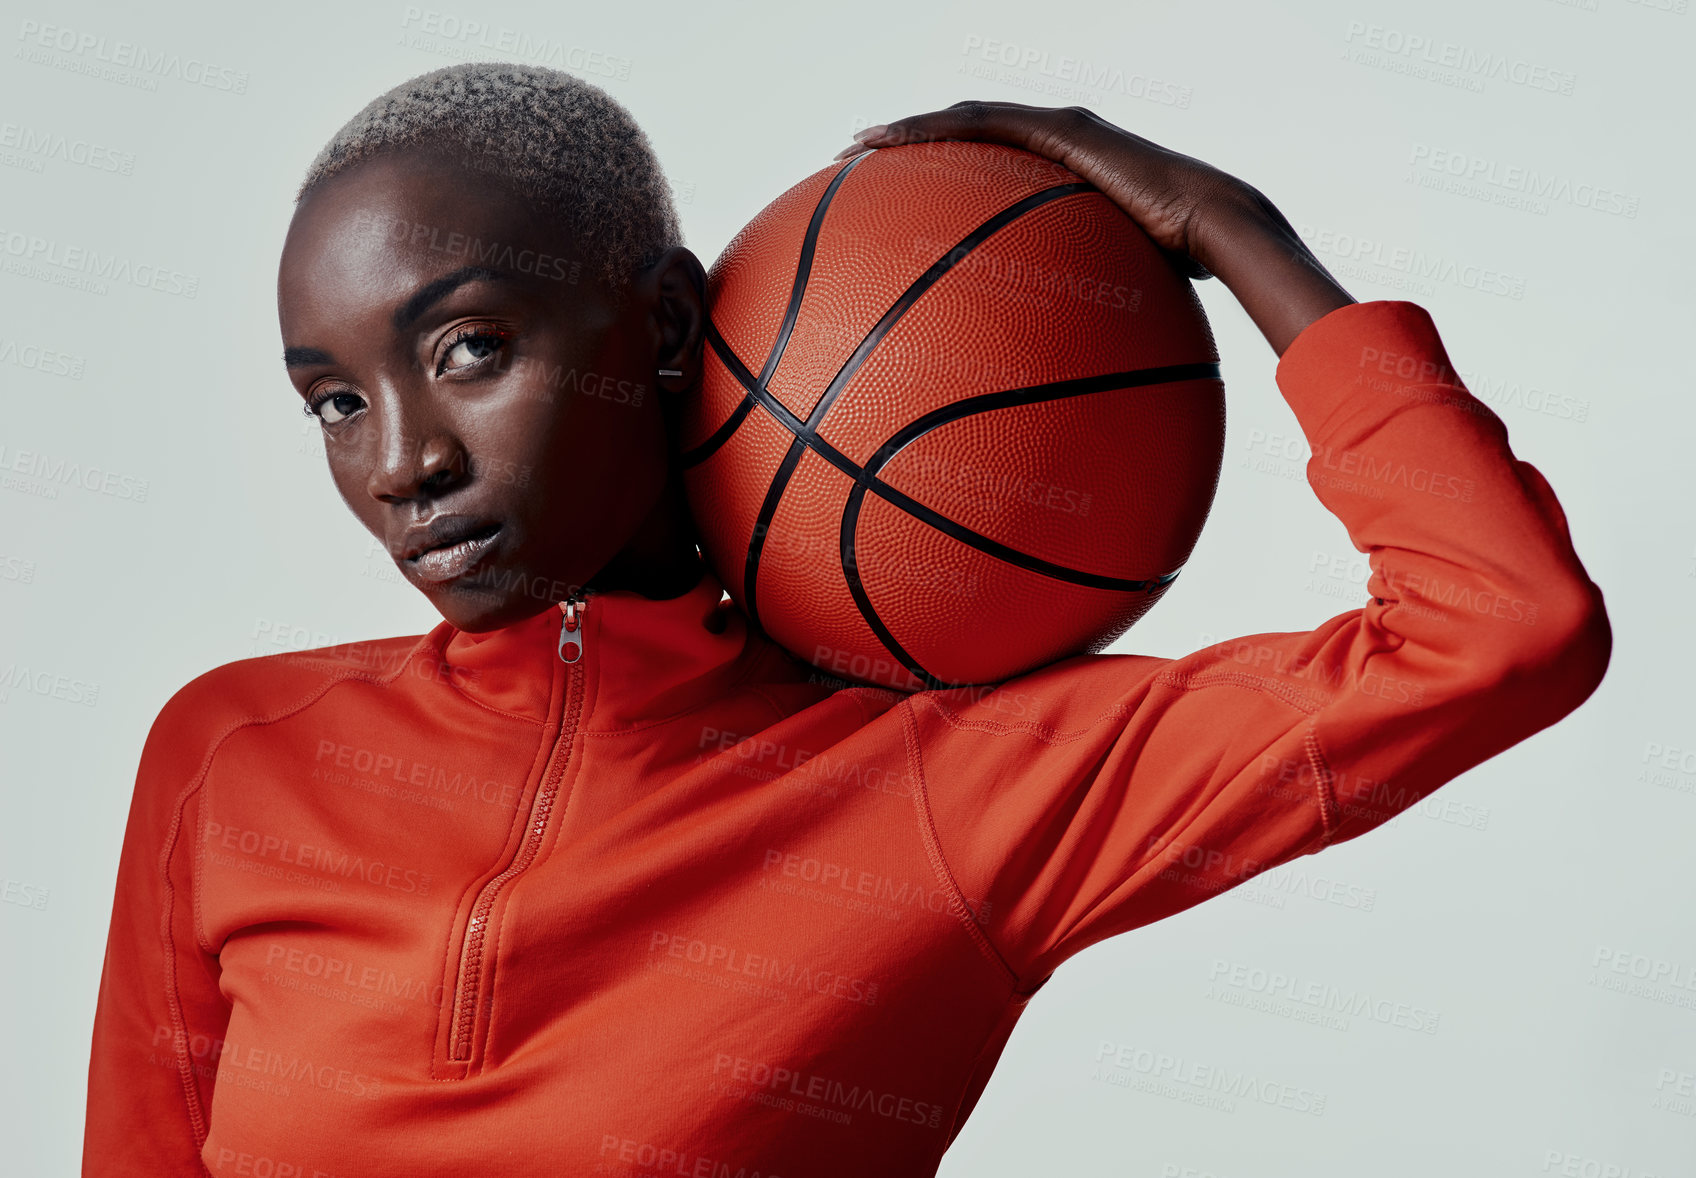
(594, 877)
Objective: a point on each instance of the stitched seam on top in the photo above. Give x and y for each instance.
(173, 997)
(1175, 838)
(1305, 701)
(440, 649)
(771, 703)
(1042, 732)
(201, 775)
(933, 849)
(173, 1001)
(1323, 782)
(862, 697)
(1182, 680)
(490, 708)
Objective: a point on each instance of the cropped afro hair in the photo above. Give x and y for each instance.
(563, 144)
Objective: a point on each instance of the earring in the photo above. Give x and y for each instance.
(671, 372)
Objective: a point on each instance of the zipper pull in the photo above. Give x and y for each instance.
(571, 626)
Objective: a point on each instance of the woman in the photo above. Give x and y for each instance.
(595, 878)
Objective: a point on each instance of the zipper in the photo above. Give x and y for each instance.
(571, 628)
(473, 954)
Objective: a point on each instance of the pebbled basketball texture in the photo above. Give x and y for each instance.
(959, 417)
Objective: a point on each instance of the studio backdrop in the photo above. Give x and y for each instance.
(1500, 981)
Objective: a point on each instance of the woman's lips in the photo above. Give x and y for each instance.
(453, 560)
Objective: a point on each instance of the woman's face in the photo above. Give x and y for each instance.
(487, 412)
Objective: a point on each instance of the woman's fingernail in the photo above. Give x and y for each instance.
(870, 132)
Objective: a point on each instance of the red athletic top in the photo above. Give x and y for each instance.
(452, 906)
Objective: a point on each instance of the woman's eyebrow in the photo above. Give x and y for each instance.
(305, 357)
(421, 301)
(438, 289)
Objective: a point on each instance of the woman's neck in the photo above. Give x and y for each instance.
(661, 560)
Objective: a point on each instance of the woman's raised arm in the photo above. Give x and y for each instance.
(1208, 222)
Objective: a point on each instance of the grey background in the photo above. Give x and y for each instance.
(1501, 905)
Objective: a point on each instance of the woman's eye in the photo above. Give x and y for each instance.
(334, 407)
(468, 347)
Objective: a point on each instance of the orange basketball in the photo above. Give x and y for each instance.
(960, 417)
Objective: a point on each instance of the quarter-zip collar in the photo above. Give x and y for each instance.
(645, 658)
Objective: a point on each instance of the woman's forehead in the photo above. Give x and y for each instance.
(422, 204)
(387, 225)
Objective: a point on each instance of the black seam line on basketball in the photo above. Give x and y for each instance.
(928, 279)
(1033, 394)
(1000, 551)
(807, 436)
(848, 541)
(804, 268)
(803, 271)
(1053, 390)
(988, 402)
(985, 402)
(719, 437)
(752, 394)
(849, 557)
(762, 523)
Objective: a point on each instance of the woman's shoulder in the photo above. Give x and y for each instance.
(197, 719)
(253, 690)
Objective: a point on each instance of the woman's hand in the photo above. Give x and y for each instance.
(1208, 221)
(1166, 193)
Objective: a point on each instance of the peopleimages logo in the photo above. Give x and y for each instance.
(57, 471)
(736, 961)
(1361, 256)
(127, 55)
(737, 1074)
(1426, 160)
(48, 684)
(508, 256)
(1131, 1065)
(40, 257)
(1449, 62)
(37, 146)
(435, 30)
(1310, 1000)
(322, 863)
(1062, 75)
(43, 360)
(904, 894)
(227, 1055)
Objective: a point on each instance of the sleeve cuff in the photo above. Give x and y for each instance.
(1385, 346)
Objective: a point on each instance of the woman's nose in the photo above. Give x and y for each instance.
(416, 462)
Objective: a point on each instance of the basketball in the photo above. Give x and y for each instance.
(959, 417)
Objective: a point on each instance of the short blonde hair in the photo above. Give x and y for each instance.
(564, 144)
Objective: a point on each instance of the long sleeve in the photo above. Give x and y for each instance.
(1105, 792)
(159, 1026)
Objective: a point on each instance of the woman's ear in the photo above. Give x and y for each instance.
(678, 318)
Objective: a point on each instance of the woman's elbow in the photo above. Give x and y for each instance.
(1564, 655)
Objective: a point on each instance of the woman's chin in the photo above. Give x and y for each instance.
(475, 604)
